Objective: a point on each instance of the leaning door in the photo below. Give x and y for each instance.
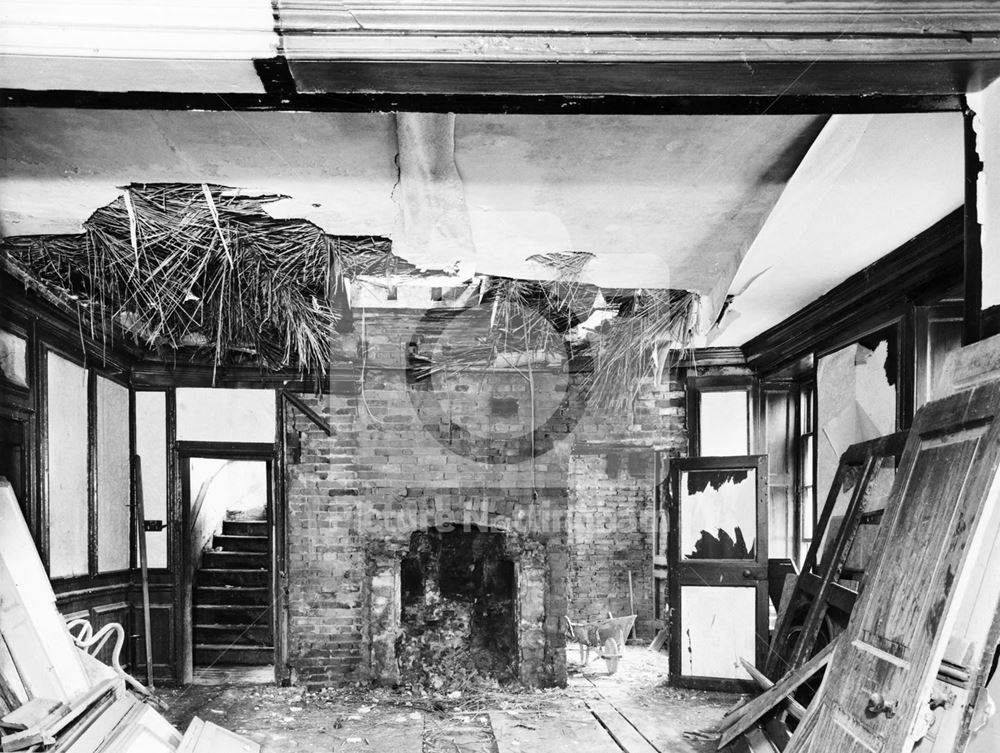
(877, 690)
(718, 569)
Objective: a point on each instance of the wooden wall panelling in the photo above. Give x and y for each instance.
(921, 270)
(105, 614)
(934, 532)
(161, 613)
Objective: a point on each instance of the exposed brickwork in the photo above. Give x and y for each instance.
(579, 514)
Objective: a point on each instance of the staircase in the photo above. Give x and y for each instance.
(232, 598)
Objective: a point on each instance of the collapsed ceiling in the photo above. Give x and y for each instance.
(658, 201)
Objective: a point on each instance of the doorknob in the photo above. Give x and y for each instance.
(877, 704)
(747, 574)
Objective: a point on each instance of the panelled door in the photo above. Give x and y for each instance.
(878, 685)
(717, 562)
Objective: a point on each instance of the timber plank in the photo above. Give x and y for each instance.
(206, 737)
(795, 708)
(40, 646)
(620, 728)
(12, 692)
(817, 584)
(575, 730)
(100, 729)
(762, 704)
(30, 714)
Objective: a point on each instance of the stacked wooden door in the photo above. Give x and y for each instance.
(940, 516)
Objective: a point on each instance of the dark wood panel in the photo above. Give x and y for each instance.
(920, 271)
(811, 104)
(164, 645)
(104, 614)
(155, 375)
(688, 78)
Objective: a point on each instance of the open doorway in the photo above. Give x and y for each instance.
(229, 565)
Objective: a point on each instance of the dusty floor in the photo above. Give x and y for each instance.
(290, 719)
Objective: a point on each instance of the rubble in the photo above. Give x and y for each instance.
(53, 695)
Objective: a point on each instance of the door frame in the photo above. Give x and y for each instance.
(276, 515)
(723, 568)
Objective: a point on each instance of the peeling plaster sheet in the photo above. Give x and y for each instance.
(672, 201)
(986, 105)
(665, 201)
(868, 184)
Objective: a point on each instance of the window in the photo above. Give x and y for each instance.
(807, 460)
(719, 416)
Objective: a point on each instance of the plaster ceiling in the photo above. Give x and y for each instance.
(670, 201)
(868, 184)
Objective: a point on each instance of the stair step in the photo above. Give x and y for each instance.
(236, 560)
(240, 543)
(230, 614)
(237, 635)
(244, 527)
(208, 576)
(251, 595)
(224, 654)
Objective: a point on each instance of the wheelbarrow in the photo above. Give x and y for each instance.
(607, 635)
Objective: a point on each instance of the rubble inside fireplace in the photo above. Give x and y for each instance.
(458, 610)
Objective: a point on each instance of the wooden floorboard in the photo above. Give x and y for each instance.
(572, 730)
(620, 728)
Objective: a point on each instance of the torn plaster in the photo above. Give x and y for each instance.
(432, 227)
(667, 201)
(868, 184)
(58, 165)
(986, 106)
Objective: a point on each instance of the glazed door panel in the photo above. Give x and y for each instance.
(718, 568)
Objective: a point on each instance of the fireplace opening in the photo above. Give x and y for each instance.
(457, 598)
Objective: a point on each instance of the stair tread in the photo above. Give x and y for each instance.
(236, 552)
(230, 587)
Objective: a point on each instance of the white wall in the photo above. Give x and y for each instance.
(114, 497)
(67, 466)
(205, 414)
(151, 447)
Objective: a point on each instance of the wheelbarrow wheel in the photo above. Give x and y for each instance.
(611, 655)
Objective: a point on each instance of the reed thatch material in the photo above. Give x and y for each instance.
(535, 321)
(194, 265)
(630, 346)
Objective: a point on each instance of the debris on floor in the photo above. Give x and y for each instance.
(56, 697)
(404, 720)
